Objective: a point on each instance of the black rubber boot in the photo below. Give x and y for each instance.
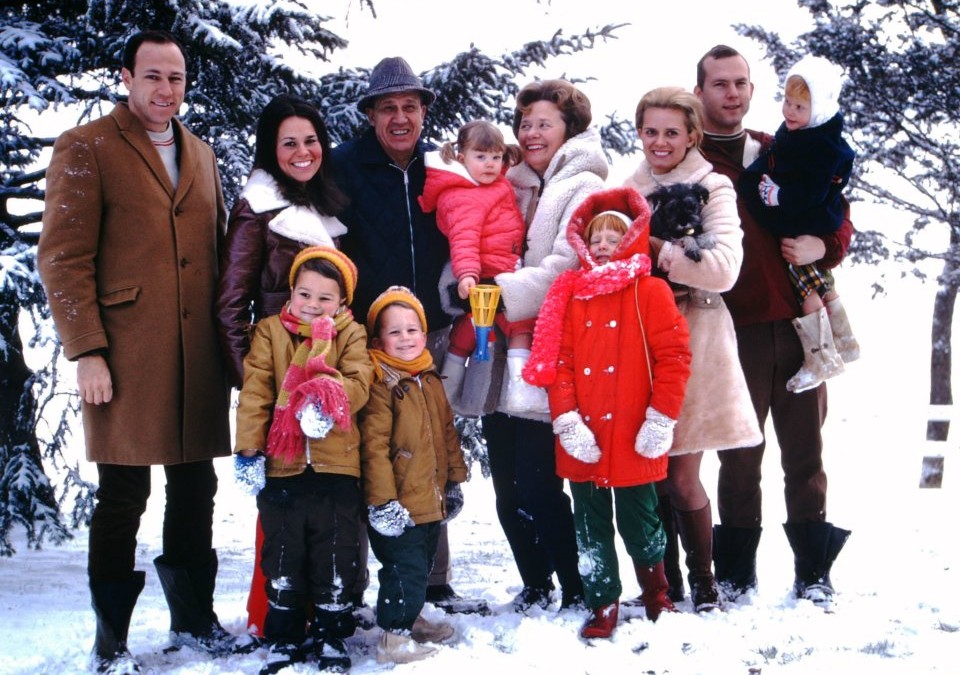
(189, 594)
(113, 602)
(735, 559)
(815, 546)
(328, 629)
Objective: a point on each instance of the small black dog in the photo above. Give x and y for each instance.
(675, 217)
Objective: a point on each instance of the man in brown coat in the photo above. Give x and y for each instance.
(132, 225)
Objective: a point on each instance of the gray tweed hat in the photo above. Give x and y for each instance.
(390, 76)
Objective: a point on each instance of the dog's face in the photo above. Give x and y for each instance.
(676, 210)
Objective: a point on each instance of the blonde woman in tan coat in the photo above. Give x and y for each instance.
(717, 413)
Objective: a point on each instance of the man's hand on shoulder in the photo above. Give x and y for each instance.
(93, 379)
(802, 250)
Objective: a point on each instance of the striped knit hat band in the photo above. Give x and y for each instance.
(337, 258)
(390, 296)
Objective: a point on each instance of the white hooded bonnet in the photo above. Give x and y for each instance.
(824, 79)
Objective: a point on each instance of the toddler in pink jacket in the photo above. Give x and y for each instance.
(477, 211)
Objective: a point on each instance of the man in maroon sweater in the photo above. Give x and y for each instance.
(762, 304)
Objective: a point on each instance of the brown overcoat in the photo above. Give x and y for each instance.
(130, 268)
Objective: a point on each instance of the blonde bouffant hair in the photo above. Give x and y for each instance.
(674, 98)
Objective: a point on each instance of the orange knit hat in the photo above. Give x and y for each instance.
(337, 258)
(388, 297)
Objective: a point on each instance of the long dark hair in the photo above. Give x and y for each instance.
(321, 191)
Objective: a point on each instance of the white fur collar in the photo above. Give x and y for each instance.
(300, 223)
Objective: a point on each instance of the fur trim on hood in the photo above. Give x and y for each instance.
(629, 261)
(300, 223)
(824, 79)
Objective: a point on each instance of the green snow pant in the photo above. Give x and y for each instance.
(638, 525)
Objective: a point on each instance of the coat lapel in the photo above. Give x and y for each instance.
(133, 133)
(188, 161)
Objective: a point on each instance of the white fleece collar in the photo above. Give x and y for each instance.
(300, 223)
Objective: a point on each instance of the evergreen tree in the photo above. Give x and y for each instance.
(64, 55)
(901, 105)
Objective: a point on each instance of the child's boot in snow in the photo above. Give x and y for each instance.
(820, 358)
(843, 338)
(602, 622)
(399, 648)
(654, 588)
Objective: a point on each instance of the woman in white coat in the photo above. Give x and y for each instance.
(563, 163)
(717, 413)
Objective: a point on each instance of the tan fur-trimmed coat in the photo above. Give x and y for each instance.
(717, 412)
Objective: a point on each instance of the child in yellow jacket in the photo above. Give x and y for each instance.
(412, 468)
(305, 377)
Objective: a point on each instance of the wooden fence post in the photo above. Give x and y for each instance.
(931, 469)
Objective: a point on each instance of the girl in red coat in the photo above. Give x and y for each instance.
(477, 211)
(613, 352)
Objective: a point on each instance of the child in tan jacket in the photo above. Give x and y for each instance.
(412, 470)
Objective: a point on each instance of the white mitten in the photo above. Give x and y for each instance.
(576, 438)
(389, 519)
(769, 191)
(250, 472)
(656, 435)
(313, 422)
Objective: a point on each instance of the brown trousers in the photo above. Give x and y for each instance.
(770, 353)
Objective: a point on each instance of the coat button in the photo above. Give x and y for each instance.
(613, 324)
(177, 211)
(184, 262)
(610, 369)
(586, 371)
(589, 323)
(185, 313)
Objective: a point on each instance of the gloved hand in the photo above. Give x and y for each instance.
(576, 438)
(314, 422)
(389, 519)
(454, 497)
(656, 435)
(250, 472)
(769, 191)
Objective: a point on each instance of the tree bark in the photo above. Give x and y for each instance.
(941, 355)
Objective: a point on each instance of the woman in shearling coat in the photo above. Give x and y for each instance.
(562, 164)
(717, 412)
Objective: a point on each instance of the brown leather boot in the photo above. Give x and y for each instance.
(654, 587)
(696, 535)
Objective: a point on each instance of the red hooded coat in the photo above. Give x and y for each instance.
(589, 347)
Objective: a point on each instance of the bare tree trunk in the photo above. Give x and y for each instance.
(941, 355)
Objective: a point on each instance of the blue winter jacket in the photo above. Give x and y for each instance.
(389, 238)
(811, 166)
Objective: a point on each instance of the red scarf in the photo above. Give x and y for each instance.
(308, 381)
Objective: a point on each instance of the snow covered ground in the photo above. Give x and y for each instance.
(898, 604)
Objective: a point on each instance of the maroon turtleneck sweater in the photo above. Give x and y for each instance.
(763, 291)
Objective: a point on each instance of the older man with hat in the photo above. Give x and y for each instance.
(390, 239)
